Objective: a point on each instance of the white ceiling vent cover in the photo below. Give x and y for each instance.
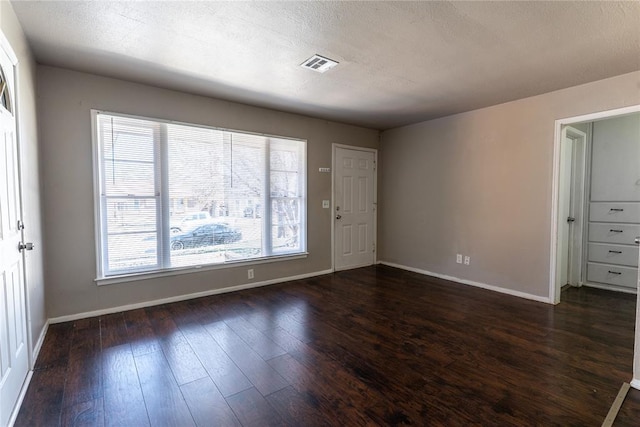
(319, 63)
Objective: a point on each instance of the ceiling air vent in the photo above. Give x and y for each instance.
(319, 63)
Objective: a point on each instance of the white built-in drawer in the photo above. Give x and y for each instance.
(613, 233)
(614, 254)
(612, 275)
(614, 212)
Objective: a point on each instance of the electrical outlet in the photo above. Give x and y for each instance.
(459, 258)
(250, 273)
(467, 260)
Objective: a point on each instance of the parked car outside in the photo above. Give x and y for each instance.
(190, 220)
(209, 234)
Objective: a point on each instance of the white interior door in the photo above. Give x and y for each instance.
(14, 358)
(566, 148)
(571, 207)
(577, 208)
(354, 208)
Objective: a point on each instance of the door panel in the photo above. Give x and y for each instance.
(14, 357)
(354, 208)
(565, 208)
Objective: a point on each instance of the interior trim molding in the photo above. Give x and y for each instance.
(635, 383)
(184, 297)
(470, 283)
(36, 348)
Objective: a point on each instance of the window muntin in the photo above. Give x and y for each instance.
(176, 195)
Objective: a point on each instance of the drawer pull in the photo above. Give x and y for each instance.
(616, 210)
(615, 272)
(615, 231)
(615, 252)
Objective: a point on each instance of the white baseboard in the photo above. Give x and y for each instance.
(470, 283)
(635, 383)
(38, 346)
(121, 308)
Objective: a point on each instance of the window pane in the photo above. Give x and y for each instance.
(127, 156)
(216, 179)
(285, 155)
(126, 215)
(131, 233)
(129, 178)
(286, 226)
(287, 189)
(284, 184)
(127, 139)
(246, 193)
(196, 173)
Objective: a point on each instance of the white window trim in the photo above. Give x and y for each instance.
(99, 226)
(168, 272)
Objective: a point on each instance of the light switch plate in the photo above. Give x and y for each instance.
(325, 204)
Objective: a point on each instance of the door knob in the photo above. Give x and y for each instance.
(637, 240)
(338, 216)
(28, 246)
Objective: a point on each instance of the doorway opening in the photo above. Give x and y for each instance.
(597, 202)
(609, 234)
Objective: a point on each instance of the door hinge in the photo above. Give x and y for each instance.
(373, 248)
(374, 165)
(20, 225)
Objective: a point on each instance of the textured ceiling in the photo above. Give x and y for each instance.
(400, 62)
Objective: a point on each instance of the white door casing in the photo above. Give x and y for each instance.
(354, 207)
(14, 353)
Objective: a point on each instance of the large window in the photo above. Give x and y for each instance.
(177, 195)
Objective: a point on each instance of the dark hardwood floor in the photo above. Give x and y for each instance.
(373, 346)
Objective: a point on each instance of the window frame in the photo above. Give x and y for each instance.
(162, 206)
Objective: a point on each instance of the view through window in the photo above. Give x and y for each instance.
(174, 195)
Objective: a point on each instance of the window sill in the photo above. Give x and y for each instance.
(194, 269)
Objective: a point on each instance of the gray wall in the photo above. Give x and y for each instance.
(64, 102)
(480, 184)
(28, 134)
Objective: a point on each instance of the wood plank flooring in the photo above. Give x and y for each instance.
(372, 346)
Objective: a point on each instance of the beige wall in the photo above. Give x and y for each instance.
(64, 102)
(480, 184)
(28, 139)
